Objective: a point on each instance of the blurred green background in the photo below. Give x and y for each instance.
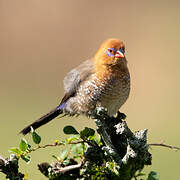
(40, 41)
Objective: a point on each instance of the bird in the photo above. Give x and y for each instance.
(102, 81)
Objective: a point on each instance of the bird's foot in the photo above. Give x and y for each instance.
(121, 115)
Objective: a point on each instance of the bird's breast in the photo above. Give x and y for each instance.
(110, 92)
(115, 93)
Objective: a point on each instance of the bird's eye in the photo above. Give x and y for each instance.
(123, 49)
(111, 52)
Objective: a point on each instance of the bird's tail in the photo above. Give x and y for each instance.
(43, 120)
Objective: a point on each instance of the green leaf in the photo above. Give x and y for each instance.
(140, 174)
(63, 153)
(23, 145)
(63, 142)
(77, 149)
(55, 157)
(15, 150)
(98, 140)
(87, 132)
(70, 130)
(66, 162)
(26, 158)
(73, 138)
(153, 176)
(36, 138)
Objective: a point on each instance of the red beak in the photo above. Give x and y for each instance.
(119, 54)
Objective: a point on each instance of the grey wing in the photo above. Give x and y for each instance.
(74, 78)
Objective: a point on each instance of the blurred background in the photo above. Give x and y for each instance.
(40, 41)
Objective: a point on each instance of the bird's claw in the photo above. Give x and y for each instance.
(121, 115)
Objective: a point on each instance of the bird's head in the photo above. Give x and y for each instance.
(110, 53)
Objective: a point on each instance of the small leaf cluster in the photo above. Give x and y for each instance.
(81, 147)
(153, 176)
(78, 142)
(25, 148)
(74, 152)
(87, 145)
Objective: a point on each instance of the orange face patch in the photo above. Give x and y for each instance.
(111, 52)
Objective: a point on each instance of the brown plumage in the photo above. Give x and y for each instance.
(103, 81)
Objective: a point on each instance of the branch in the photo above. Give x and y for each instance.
(54, 145)
(165, 145)
(129, 150)
(10, 168)
(57, 169)
(70, 167)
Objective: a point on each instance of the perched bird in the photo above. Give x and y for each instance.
(102, 81)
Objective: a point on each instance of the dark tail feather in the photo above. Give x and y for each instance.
(43, 120)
